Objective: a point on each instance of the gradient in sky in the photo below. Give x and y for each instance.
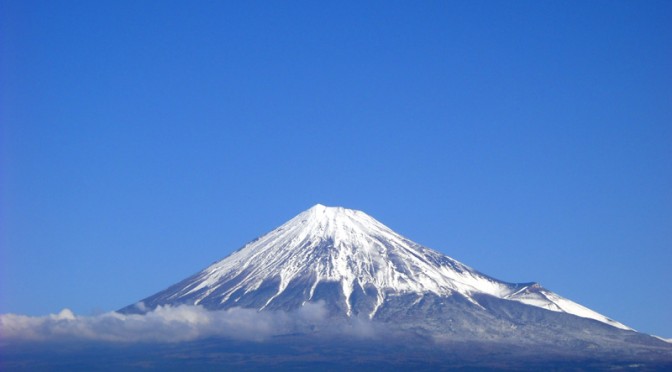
(141, 141)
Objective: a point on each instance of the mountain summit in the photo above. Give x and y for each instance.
(354, 264)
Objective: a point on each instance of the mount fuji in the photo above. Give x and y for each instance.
(357, 268)
(351, 261)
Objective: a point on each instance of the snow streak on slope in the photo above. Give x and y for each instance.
(537, 296)
(348, 247)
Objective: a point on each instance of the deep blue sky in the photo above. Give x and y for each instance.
(143, 140)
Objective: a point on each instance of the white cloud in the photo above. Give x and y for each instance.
(167, 324)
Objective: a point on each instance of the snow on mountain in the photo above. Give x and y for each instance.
(668, 340)
(325, 246)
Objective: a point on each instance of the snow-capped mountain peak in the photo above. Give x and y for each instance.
(352, 260)
(339, 224)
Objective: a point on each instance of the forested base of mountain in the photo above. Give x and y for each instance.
(301, 352)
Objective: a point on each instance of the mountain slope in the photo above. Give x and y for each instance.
(350, 261)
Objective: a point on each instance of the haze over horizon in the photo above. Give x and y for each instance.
(141, 141)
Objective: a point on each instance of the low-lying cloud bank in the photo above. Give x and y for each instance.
(174, 324)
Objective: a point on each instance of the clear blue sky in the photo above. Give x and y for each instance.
(143, 140)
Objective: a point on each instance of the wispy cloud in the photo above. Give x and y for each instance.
(168, 324)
